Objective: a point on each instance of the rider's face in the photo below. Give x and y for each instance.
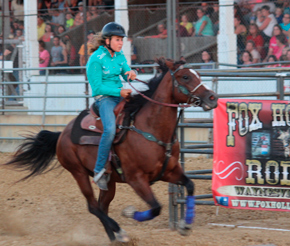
(116, 43)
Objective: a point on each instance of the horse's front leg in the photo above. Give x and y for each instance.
(141, 186)
(177, 176)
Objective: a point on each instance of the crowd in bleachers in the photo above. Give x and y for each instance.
(262, 27)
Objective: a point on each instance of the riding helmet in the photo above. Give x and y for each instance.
(113, 29)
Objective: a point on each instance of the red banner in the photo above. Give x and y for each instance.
(251, 168)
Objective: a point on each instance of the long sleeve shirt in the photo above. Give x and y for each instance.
(103, 72)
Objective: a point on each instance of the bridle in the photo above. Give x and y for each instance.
(193, 100)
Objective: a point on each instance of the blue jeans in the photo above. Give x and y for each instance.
(106, 105)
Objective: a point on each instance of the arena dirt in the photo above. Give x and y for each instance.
(49, 210)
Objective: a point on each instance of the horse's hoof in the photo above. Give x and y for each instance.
(183, 228)
(122, 236)
(129, 212)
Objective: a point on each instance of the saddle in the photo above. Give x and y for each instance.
(92, 122)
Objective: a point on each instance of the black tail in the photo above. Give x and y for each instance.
(36, 153)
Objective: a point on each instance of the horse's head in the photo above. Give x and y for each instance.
(188, 88)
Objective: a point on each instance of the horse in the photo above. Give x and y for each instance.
(149, 151)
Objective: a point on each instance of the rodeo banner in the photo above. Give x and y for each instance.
(251, 168)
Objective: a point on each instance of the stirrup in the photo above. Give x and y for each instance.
(101, 180)
(97, 176)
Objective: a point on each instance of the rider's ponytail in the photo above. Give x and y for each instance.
(97, 41)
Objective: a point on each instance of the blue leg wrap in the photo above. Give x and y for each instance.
(190, 213)
(143, 216)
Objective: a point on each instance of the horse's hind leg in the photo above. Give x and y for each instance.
(109, 224)
(143, 189)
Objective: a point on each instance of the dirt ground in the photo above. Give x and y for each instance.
(50, 210)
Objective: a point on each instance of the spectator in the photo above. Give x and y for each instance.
(11, 54)
(260, 5)
(21, 26)
(215, 18)
(247, 58)
(59, 30)
(71, 51)
(203, 26)
(12, 33)
(133, 51)
(95, 2)
(81, 8)
(89, 15)
(40, 27)
(281, 44)
(180, 30)
(254, 34)
(90, 36)
(60, 5)
(286, 24)
(58, 18)
(241, 32)
(17, 9)
(69, 21)
(79, 20)
(268, 24)
(188, 25)
(279, 15)
(15, 25)
(250, 46)
(94, 11)
(206, 58)
(162, 32)
(48, 35)
(287, 58)
(58, 54)
(238, 13)
(19, 35)
(72, 6)
(273, 47)
(260, 18)
(44, 57)
(272, 58)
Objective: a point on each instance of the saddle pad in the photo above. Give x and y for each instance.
(81, 136)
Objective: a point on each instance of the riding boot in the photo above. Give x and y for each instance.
(100, 179)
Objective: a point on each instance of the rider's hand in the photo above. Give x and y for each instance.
(126, 93)
(131, 74)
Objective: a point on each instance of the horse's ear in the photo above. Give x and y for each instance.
(170, 64)
(182, 59)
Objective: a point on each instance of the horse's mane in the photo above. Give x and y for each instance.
(137, 101)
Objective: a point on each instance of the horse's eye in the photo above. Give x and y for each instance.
(185, 77)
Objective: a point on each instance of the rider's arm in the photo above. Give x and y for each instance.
(94, 73)
(125, 68)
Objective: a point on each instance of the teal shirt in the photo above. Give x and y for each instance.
(208, 29)
(103, 72)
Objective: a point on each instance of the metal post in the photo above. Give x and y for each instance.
(174, 39)
(44, 99)
(280, 87)
(182, 159)
(169, 28)
(86, 48)
(20, 62)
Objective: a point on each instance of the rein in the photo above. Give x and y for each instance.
(157, 102)
(192, 99)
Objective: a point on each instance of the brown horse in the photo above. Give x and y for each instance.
(149, 152)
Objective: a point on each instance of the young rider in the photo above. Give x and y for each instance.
(103, 69)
